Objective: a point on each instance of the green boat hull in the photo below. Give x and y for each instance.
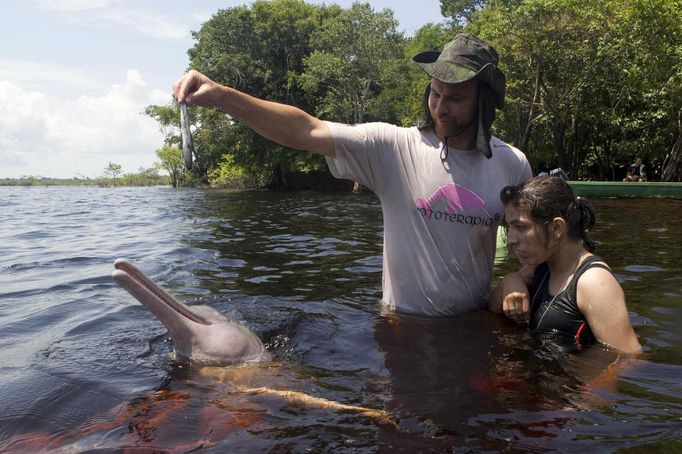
(620, 189)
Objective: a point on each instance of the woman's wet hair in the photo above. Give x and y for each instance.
(548, 197)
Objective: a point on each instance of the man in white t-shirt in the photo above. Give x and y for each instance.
(439, 185)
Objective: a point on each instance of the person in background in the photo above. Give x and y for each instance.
(636, 171)
(562, 288)
(438, 184)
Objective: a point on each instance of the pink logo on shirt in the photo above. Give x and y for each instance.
(457, 198)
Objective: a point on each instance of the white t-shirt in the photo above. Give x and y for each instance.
(440, 218)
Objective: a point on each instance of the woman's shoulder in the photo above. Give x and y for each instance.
(596, 281)
(593, 264)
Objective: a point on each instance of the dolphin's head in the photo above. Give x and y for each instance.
(220, 341)
(201, 334)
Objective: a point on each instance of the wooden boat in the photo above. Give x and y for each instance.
(621, 189)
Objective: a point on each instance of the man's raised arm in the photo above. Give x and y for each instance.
(284, 124)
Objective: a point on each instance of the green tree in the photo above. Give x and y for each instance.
(112, 171)
(265, 50)
(150, 176)
(144, 177)
(29, 180)
(652, 67)
(172, 161)
(230, 175)
(353, 60)
(588, 86)
(259, 50)
(461, 11)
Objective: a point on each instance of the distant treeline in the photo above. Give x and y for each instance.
(131, 179)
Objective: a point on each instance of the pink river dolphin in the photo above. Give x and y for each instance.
(201, 334)
(205, 337)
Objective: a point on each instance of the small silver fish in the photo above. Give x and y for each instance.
(187, 146)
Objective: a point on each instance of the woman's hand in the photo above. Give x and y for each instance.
(511, 297)
(516, 306)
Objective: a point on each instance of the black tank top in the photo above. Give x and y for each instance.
(559, 314)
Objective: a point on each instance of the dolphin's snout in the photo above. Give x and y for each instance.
(118, 276)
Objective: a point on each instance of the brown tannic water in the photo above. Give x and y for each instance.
(85, 368)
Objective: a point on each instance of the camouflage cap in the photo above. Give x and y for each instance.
(465, 57)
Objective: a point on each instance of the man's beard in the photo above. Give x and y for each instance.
(454, 130)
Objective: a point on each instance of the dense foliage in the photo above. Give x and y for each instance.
(591, 84)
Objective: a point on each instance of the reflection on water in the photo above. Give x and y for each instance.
(84, 367)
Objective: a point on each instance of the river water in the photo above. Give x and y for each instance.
(85, 368)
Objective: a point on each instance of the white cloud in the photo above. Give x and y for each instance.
(43, 136)
(32, 75)
(110, 15)
(147, 23)
(73, 5)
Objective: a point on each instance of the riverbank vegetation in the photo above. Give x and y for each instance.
(144, 177)
(590, 85)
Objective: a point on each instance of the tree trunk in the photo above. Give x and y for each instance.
(523, 141)
(278, 179)
(672, 166)
(605, 159)
(558, 132)
(573, 148)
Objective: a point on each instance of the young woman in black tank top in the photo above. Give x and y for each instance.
(562, 287)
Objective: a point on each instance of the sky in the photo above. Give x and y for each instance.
(76, 75)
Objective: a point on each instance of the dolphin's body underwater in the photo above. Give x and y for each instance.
(201, 335)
